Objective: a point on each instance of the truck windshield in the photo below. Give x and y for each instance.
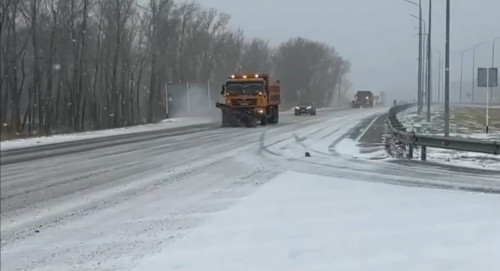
(304, 102)
(244, 88)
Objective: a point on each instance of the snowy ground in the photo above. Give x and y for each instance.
(165, 124)
(465, 121)
(246, 199)
(310, 222)
(461, 158)
(38, 141)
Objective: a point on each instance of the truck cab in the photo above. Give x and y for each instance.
(363, 98)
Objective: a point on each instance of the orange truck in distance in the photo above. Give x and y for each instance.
(249, 99)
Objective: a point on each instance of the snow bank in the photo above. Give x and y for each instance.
(351, 148)
(347, 146)
(464, 128)
(462, 158)
(309, 222)
(165, 124)
(462, 124)
(477, 105)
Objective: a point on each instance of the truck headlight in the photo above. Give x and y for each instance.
(309, 107)
(297, 108)
(260, 111)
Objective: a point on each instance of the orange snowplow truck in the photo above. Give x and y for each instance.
(249, 99)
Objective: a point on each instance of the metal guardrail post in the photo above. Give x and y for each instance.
(411, 139)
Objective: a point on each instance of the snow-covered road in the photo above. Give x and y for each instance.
(154, 204)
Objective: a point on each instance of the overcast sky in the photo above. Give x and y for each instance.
(377, 36)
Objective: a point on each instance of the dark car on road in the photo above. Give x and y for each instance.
(307, 108)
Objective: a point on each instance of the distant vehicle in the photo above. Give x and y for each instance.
(305, 108)
(382, 98)
(363, 98)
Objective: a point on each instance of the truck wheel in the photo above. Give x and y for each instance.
(263, 121)
(252, 122)
(224, 120)
(273, 119)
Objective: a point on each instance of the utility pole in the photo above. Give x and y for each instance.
(462, 72)
(420, 55)
(440, 80)
(473, 73)
(440, 67)
(429, 64)
(420, 58)
(439, 75)
(423, 73)
(492, 96)
(447, 74)
(424, 67)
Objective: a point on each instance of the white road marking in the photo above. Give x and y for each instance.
(367, 128)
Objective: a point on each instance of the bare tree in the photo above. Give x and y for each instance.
(159, 12)
(256, 57)
(12, 74)
(310, 67)
(74, 65)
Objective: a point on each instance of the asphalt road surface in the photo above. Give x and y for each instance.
(106, 204)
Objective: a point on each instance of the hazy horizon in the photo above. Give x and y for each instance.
(379, 37)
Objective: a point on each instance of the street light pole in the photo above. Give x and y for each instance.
(424, 66)
(462, 71)
(420, 55)
(440, 67)
(493, 65)
(474, 68)
(421, 63)
(447, 74)
(439, 77)
(491, 87)
(429, 64)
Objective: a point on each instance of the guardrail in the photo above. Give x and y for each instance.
(411, 139)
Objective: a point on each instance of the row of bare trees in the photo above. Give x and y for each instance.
(74, 65)
(309, 71)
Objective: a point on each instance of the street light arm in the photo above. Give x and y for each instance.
(479, 44)
(493, 53)
(417, 17)
(422, 20)
(495, 40)
(411, 2)
(474, 47)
